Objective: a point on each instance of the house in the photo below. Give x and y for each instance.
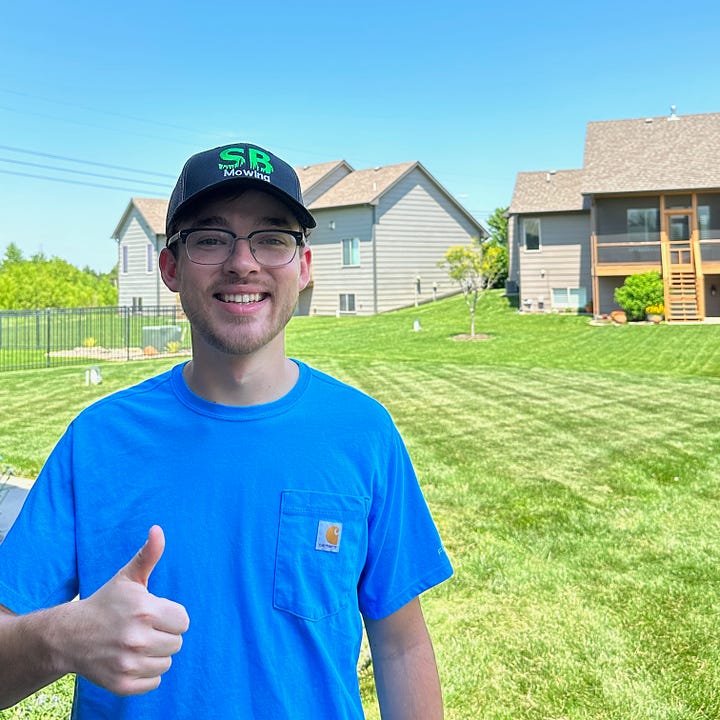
(379, 237)
(647, 198)
(140, 235)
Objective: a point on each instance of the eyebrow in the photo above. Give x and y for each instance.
(220, 221)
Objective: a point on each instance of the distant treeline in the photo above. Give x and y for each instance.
(41, 282)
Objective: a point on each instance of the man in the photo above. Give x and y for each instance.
(277, 506)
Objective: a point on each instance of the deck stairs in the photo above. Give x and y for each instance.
(683, 283)
(681, 294)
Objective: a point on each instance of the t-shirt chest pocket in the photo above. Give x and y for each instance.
(322, 542)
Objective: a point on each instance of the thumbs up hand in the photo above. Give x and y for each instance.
(126, 637)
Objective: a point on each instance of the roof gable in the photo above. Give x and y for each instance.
(362, 187)
(678, 152)
(311, 175)
(152, 210)
(366, 187)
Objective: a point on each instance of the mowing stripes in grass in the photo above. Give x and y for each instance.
(574, 472)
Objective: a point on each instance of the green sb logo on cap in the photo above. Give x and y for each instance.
(234, 159)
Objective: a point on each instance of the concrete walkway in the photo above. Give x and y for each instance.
(12, 497)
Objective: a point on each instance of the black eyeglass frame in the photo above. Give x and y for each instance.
(182, 235)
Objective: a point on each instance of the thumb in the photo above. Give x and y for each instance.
(141, 566)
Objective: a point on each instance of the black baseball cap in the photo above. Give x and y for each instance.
(241, 164)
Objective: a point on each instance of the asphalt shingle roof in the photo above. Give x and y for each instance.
(677, 152)
(361, 187)
(548, 191)
(311, 174)
(154, 211)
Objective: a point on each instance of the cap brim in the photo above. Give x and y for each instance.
(303, 215)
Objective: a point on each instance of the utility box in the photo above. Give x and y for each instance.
(158, 336)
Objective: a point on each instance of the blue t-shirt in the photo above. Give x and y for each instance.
(283, 522)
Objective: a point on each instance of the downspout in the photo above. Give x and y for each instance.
(594, 280)
(374, 259)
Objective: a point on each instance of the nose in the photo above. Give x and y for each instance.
(241, 259)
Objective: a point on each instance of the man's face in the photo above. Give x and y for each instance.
(240, 306)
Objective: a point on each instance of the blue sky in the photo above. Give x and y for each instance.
(475, 91)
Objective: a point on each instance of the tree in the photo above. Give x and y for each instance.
(13, 254)
(475, 269)
(498, 223)
(39, 283)
(498, 240)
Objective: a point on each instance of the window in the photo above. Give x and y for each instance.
(347, 303)
(704, 221)
(150, 255)
(351, 251)
(531, 233)
(569, 298)
(643, 224)
(125, 259)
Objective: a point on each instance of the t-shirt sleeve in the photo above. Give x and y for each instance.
(38, 566)
(405, 553)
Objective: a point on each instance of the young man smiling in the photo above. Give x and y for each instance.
(290, 507)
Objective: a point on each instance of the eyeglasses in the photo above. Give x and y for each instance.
(210, 246)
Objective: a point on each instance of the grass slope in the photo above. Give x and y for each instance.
(573, 472)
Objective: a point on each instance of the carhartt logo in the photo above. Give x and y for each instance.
(234, 160)
(328, 536)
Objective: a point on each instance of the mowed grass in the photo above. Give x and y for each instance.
(573, 471)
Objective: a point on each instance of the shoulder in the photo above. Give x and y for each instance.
(139, 395)
(330, 389)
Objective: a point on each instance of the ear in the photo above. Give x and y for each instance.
(169, 269)
(305, 267)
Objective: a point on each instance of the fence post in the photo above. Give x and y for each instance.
(47, 336)
(127, 331)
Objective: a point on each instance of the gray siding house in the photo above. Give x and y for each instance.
(647, 198)
(140, 235)
(380, 234)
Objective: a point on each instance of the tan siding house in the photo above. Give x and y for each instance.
(379, 237)
(647, 198)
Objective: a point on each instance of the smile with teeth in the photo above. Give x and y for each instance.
(241, 298)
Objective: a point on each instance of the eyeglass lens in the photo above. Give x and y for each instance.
(271, 248)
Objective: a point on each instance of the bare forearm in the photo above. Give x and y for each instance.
(28, 653)
(408, 686)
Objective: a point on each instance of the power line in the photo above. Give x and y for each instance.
(100, 111)
(125, 131)
(75, 182)
(85, 162)
(82, 172)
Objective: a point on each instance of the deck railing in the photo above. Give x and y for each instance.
(618, 249)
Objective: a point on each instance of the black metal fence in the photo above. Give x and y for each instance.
(67, 336)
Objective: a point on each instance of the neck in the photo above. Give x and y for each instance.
(255, 379)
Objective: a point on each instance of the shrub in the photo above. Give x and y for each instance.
(639, 292)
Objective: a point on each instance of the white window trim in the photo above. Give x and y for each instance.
(347, 296)
(124, 260)
(355, 244)
(149, 259)
(582, 292)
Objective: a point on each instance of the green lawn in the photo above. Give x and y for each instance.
(573, 471)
